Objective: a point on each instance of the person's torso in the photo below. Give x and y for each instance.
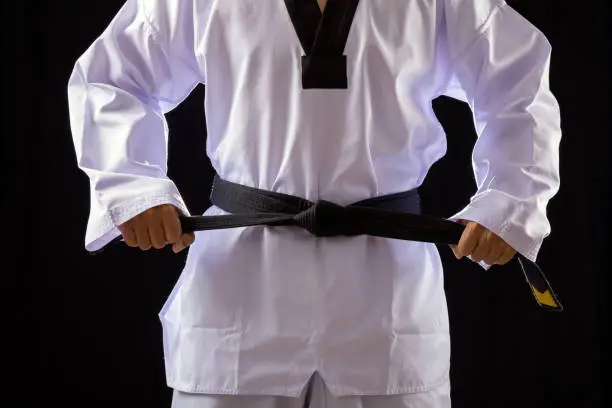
(378, 136)
(257, 310)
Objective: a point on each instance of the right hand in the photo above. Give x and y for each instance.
(156, 227)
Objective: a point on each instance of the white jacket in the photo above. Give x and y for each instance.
(257, 310)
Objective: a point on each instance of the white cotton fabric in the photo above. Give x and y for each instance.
(258, 310)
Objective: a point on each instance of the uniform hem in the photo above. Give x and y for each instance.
(282, 392)
(345, 391)
(336, 390)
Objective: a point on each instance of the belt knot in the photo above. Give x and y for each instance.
(321, 218)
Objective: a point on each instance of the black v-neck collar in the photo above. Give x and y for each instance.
(306, 17)
(323, 36)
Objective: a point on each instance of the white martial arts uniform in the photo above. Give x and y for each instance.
(258, 310)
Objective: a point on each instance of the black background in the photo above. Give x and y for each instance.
(82, 331)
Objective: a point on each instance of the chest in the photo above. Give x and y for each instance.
(280, 25)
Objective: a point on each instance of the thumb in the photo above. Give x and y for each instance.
(453, 246)
(454, 249)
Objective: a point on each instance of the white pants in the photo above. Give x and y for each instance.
(316, 395)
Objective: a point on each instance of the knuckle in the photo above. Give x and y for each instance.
(157, 240)
(499, 241)
(127, 225)
(172, 233)
(168, 209)
(144, 243)
(480, 253)
(151, 212)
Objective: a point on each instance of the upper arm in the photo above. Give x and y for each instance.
(147, 51)
(493, 55)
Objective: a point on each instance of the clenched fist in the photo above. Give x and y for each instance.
(156, 227)
(482, 245)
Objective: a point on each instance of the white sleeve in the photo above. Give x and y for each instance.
(139, 68)
(500, 65)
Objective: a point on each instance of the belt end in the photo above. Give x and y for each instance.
(541, 289)
(547, 299)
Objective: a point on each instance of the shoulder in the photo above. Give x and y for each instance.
(174, 21)
(169, 16)
(466, 20)
(474, 13)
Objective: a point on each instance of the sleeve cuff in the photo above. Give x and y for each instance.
(524, 230)
(102, 225)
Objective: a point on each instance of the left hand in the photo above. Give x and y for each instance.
(482, 245)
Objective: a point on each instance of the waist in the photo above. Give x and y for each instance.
(237, 198)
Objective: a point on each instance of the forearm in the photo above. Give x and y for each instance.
(516, 158)
(116, 93)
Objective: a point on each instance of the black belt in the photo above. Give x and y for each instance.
(391, 216)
